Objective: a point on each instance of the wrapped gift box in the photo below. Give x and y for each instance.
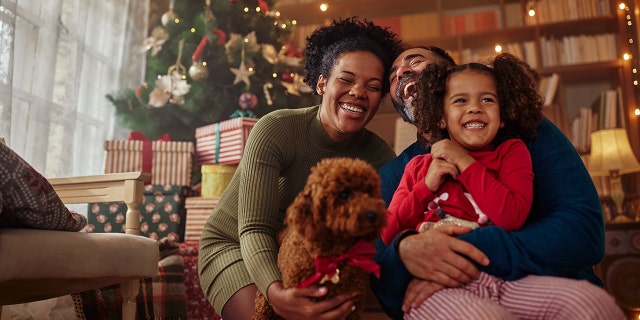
(170, 162)
(198, 211)
(216, 178)
(223, 142)
(162, 213)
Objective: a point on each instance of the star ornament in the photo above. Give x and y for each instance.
(242, 74)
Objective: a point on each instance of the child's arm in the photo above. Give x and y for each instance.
(410, 200)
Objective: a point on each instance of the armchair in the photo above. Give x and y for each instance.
(40, 264)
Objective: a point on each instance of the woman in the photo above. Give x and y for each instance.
(346, 63)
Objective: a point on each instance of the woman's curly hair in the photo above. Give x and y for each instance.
(516, 85)
(326, 44)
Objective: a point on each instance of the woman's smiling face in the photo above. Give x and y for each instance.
(351, 95)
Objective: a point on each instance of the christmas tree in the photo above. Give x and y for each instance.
(211, 60)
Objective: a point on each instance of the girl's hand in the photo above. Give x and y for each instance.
(452, 153)
(438, 171)
(297, 303)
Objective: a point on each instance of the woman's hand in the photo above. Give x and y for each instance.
(297, 303)
(417, 292)
(438, 256)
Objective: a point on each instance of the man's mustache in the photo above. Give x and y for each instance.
(399, 103)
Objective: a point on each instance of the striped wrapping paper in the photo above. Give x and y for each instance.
(223, 142)
(171, 163)
(198, 211)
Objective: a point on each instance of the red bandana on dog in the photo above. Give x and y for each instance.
(358, 256)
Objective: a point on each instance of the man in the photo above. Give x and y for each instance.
(564, 235)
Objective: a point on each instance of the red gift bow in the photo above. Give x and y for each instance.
(147, 150)
(360, 255)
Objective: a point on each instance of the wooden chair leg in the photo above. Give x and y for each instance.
(129, 293)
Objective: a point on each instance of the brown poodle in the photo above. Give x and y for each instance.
(338, 211)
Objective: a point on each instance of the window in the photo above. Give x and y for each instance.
(58, 60)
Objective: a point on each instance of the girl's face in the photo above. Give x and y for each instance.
(351, 95)
(472, 109)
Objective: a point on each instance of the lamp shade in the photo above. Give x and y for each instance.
(611, 151)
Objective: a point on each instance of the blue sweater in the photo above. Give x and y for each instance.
(563, 236)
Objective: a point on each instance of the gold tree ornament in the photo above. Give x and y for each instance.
(242, 73)
(199, 71)
(169, 16)
(171, 87)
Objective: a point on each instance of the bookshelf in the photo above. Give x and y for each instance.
(580, 41)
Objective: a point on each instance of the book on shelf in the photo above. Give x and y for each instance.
(548, 86)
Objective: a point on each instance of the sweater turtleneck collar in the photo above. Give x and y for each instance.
(322, 138)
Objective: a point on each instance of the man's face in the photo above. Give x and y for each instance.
(403, 76)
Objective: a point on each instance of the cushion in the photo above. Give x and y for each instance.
(28, 200)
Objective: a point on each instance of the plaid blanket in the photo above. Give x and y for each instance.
(160, 298)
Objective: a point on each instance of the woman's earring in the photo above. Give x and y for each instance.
(320, 91)
(501, 124)
(441, 124)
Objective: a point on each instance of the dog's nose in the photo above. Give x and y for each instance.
(371, 216)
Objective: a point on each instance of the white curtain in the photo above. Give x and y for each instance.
(58, 60)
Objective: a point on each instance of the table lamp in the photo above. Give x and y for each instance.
(611, 155)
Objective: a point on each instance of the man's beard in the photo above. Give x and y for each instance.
(404, 96)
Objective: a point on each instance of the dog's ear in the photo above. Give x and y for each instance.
(304, 215)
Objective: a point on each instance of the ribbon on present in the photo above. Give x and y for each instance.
(360, 255)
(147, 148)
(217, 142)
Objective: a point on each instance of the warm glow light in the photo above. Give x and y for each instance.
(622, 6)
(636, 112)
(626, 56)
(275, 75)
(246, 9)
(283, 26)
(257, 9)
(294, 22)
(324, 7)
(498, 48)
(532, 12)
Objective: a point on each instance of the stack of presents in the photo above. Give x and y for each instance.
(174, 210)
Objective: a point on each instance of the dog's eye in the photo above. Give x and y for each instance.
(344, 195)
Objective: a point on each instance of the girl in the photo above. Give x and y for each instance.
(479, 170)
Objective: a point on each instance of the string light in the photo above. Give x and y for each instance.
(632, 53)
(531, 8)
(498, 48)
(324, 7)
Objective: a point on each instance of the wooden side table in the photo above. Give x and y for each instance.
(620, 268)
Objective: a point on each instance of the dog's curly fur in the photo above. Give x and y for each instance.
(340, 204)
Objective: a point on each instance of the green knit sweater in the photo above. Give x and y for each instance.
(280, 151)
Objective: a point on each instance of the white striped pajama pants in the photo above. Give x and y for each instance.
(532, 297)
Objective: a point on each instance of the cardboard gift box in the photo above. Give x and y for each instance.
(215, 179)
(162, 213)
(198, 211)
(169, 162)
(223, 142)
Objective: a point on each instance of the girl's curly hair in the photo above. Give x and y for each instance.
(327, 43)
(516, 85)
